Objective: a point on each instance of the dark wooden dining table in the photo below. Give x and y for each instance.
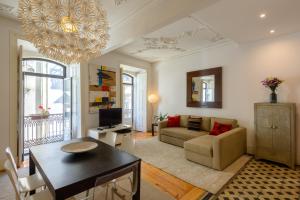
(68, 174)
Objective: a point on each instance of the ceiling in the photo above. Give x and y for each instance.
(223, 21)
(116, 14)
(239, 19)
(154, 30)
(183, 36)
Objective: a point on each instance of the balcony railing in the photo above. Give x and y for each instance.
(43, 129)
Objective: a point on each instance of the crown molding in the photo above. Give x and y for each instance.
(131, 13)
(8, 11)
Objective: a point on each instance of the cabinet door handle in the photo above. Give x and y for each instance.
(273, 127)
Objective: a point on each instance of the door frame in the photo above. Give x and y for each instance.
(21, 102)
(132, 94)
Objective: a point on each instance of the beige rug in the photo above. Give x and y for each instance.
(171, 159)
(148, 191)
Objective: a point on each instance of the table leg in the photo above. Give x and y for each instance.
(31, 168)
(31, 165)
(136, 196)
(152, 129)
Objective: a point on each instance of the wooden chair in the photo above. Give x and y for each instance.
(25, 184)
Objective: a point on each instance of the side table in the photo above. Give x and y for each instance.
(153, 125)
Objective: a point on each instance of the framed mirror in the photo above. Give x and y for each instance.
(204, 88)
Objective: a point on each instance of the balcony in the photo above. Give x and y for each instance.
(43, 129)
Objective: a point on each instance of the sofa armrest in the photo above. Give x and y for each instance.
(161, 125)
(228, 147)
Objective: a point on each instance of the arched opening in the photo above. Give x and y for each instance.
(46, 103)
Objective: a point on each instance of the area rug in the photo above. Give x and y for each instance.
(171, 159)
(148, 191)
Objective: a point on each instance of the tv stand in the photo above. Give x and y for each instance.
(100, 132)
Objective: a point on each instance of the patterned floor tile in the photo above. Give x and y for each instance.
(261, 180)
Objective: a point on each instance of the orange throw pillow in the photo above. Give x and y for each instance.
(173, 121)
(219, 128)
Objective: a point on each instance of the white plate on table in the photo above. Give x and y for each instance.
(79, 147)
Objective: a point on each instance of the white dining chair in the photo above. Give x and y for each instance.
(19, 188)
(25, 184)
(124, 190)
(110, 138)
(128, 143)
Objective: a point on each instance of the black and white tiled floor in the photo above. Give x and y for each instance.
(261, 180)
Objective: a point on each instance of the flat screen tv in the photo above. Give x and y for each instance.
(110, 117)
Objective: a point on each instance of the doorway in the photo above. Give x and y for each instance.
(47, 103)
(128, 98)
(134, 97)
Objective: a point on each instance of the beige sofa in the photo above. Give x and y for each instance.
(216, 152)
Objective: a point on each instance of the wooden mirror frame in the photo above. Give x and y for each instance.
(218, 88)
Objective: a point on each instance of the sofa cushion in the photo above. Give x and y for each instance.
(219, 128)
(184, 120)
(233, 122)
(205, 123)
(200, 145)
(194, 123)
(173, 121)
(182, 133)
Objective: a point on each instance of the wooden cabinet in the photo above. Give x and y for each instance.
(275, 132)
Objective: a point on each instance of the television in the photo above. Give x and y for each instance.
(110, 117)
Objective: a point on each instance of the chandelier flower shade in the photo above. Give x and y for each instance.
(70, 31)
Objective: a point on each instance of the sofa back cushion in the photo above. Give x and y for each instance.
(184, 120)
(173, 121)
(205, 123)
(232, 122)
(194, 123)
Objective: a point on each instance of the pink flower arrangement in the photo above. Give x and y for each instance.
(44, 111)
(272, 83)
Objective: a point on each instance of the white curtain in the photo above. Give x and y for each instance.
(140, 102)
(76, 100)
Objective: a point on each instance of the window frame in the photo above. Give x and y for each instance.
(46, 75)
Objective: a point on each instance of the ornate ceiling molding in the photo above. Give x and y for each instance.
(119, 2)
(7, 10)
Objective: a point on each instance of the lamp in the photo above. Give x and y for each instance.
(70, 31)
(152, 98)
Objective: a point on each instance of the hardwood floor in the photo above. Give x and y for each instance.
(176, 187)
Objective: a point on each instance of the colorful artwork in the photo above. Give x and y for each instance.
(102, 88)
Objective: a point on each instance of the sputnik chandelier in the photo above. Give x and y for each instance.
(70, 31)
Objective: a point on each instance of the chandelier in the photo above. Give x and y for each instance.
(70, 31)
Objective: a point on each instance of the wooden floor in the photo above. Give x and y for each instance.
(176, 187)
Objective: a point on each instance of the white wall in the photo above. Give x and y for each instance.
(244, 67)
(7, 27)
(113, 60)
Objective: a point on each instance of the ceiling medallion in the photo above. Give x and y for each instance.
(70, 31)
(167, 43)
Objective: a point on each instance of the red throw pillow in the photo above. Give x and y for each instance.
(173, 121)
(220, 128)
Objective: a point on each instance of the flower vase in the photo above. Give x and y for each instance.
(273, 95)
